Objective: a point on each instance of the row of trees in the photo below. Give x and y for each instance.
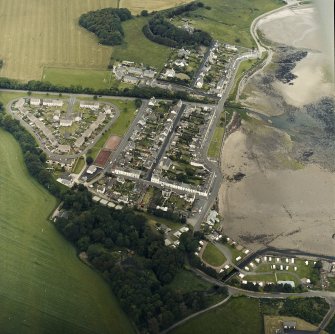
(133, 258)
(161, 31)
(34, 157)
(140, 92)
(106, 24)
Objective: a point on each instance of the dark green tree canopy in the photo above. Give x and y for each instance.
(106, 24)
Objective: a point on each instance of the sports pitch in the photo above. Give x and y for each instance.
(44, 288)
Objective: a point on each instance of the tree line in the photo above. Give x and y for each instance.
(106, 24)
(133, 259)
(140, 92)
(161, 31)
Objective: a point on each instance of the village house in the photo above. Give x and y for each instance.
(52, 103)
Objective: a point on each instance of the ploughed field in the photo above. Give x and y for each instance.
(44, 288)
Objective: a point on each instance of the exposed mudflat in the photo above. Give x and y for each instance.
(287, 197)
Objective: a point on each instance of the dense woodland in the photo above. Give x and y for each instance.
(160, 30)
(106, 24)
(134, 260)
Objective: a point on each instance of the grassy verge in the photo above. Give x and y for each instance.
(240, 315)
(214, 149)
(79, 165)
(44, 288)
(213, 256)
(138, 48)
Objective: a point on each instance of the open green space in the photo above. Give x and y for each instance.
(213, 256)
(83, 77)
(127, 114)
(239, 315)
(186, 281)
(138, 48)
(229, 21)
(44, 288)
(214, 149)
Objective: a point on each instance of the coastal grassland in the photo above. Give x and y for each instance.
(213, 256)
(138, 48)
(239, 315)
(215, 145)
(229, 21)
(44, 288)
(127, 114)
(242, 69)
(186, 281)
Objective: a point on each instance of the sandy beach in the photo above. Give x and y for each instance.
(281, 202)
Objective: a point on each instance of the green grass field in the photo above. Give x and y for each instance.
(240, 315)
(44, 288)
(186, 281)
(214, 149)
(213, 256)
(138, 48)
(229, 21)
(85, 78)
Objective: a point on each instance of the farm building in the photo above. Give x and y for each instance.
(149, 74)
(53, 103)
(130, 79)
(135, 71)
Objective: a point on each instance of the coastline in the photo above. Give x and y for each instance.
(280, 201)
